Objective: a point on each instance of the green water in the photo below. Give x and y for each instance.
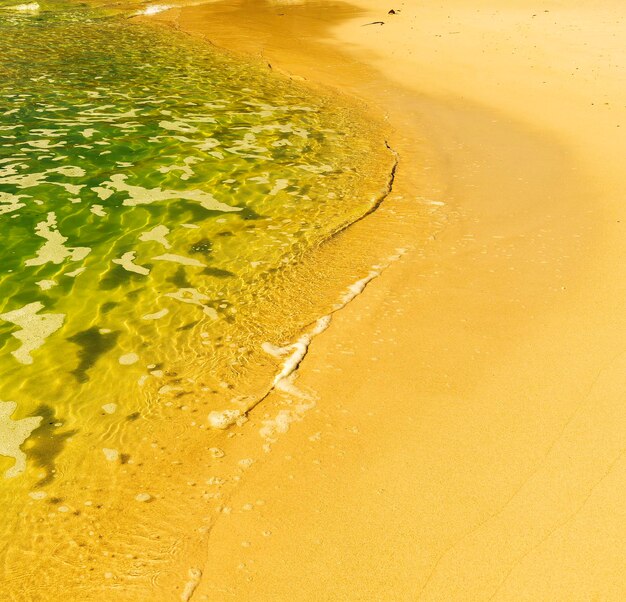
(153, 195)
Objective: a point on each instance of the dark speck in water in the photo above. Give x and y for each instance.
(203, 246)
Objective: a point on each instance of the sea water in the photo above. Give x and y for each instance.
(154, 195)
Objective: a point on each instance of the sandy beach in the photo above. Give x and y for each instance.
(457, 433)
(467, 438)
(451, 423)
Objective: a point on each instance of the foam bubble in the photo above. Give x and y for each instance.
(112, 455)
(128, 359)
(45, 285)
(75, 272)
(223, 419)
(282, 421)
(155, 316)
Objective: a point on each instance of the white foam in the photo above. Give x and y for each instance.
(138, 195)
(54, 250)
(10, 202)
(128, 359)
(127, 262)
(224, 419)
(192, 583)
(298, 350)
(112, 455)
(13, 433)
(155, 316)
(71, 171)
(157, 234)
(35, 328)
(31, 7)
(295, 353)
(287, 2)
(103, 193)
(355, 289)
(286, 386)
(426, 201)
(194, 297)
(281, 184)
(178, 126)
(45, 285)
(274, 350)
(98, 210)
(283, 420)
(75, 272)
(185, 168)
(180, 259)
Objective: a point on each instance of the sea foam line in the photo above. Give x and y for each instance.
(154, 9)
(31, 7)
(300, 348)
(296, 352)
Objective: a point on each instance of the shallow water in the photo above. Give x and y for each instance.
(154, 196)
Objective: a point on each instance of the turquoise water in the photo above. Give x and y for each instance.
(153, 195)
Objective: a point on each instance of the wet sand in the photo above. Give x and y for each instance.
(462, 435)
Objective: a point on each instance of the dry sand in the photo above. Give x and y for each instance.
(468, 437)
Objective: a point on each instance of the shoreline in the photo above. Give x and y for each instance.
(466, 440)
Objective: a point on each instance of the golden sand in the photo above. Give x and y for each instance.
(468, 434)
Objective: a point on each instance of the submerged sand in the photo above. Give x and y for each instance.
(467, 441)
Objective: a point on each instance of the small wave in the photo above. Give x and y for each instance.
(31, 7)
(154, 9)
(24, 8)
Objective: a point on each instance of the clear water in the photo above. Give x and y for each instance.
(153, 195)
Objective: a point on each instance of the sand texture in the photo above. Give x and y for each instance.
(463, 428)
